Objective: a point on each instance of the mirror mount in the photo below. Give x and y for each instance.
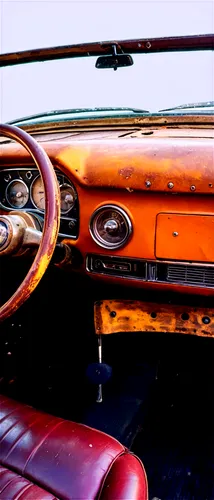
(115, 60)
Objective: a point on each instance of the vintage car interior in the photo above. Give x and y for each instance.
(106, 294)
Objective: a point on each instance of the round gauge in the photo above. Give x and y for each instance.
(38, 193)
(17, 193)
(68, 197)
(110, 226)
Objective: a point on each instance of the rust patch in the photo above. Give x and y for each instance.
(137, 316)
(108, 163)
(126, 172)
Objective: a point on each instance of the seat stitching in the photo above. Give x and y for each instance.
(21, 436)
(13, 425)
(145, 476)
(8, 414)
(3, 470)
(32, 454)
(25, 488)
(18, 476)
(123, 452)
(30, 486)
(8, 430)
(9, 482)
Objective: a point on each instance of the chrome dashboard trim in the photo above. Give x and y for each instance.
(35, 210)
(128, 222)
(65, 185)
(11, 181)
(149, 277)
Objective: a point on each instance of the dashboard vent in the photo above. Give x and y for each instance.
(158, 272)
(190, 275)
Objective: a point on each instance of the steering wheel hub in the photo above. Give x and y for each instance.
(17, 230)
(4, 234)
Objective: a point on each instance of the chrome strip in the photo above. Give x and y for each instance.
(147, 278)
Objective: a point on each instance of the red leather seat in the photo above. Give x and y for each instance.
(45, 458)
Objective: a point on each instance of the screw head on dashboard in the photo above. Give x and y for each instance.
(175, 233)
(29, 175)
(192, 188)
(7, 177)
(206, 320)
(170, 185)
(148, 184)
(72, 224)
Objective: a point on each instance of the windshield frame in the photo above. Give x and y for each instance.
(137, 46)
(61, 117)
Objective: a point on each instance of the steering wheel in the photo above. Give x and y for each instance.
(19, 230)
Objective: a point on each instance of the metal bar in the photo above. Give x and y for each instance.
(138, 46)
(113, 316)
(100, 359)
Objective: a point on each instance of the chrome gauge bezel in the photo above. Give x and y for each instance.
(7, 197)
(95, 234)
(30, 206)
(69, 186)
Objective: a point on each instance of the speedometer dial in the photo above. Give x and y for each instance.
(17, 194)
(38, 193)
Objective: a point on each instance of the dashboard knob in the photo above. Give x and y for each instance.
(111, 226)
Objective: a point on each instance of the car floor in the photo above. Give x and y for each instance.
(176, 441)
(166, 386)
(158, 402)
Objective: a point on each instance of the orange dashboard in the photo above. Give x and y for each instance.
(158, 188)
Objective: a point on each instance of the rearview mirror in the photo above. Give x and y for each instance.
(114, 61)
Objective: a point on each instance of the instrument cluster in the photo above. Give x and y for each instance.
(23, 189)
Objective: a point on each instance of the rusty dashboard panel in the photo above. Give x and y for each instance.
(162, 182)
(185, 237)
(114, 316)
(152, 164)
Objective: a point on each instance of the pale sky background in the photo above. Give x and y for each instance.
(154, 82)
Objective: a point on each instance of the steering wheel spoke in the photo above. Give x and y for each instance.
(32, 237)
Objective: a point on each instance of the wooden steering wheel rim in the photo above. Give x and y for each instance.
(51, 221)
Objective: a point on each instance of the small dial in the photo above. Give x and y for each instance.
(68, 197)
(38, 193)
(110, 226)
(17, 194)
